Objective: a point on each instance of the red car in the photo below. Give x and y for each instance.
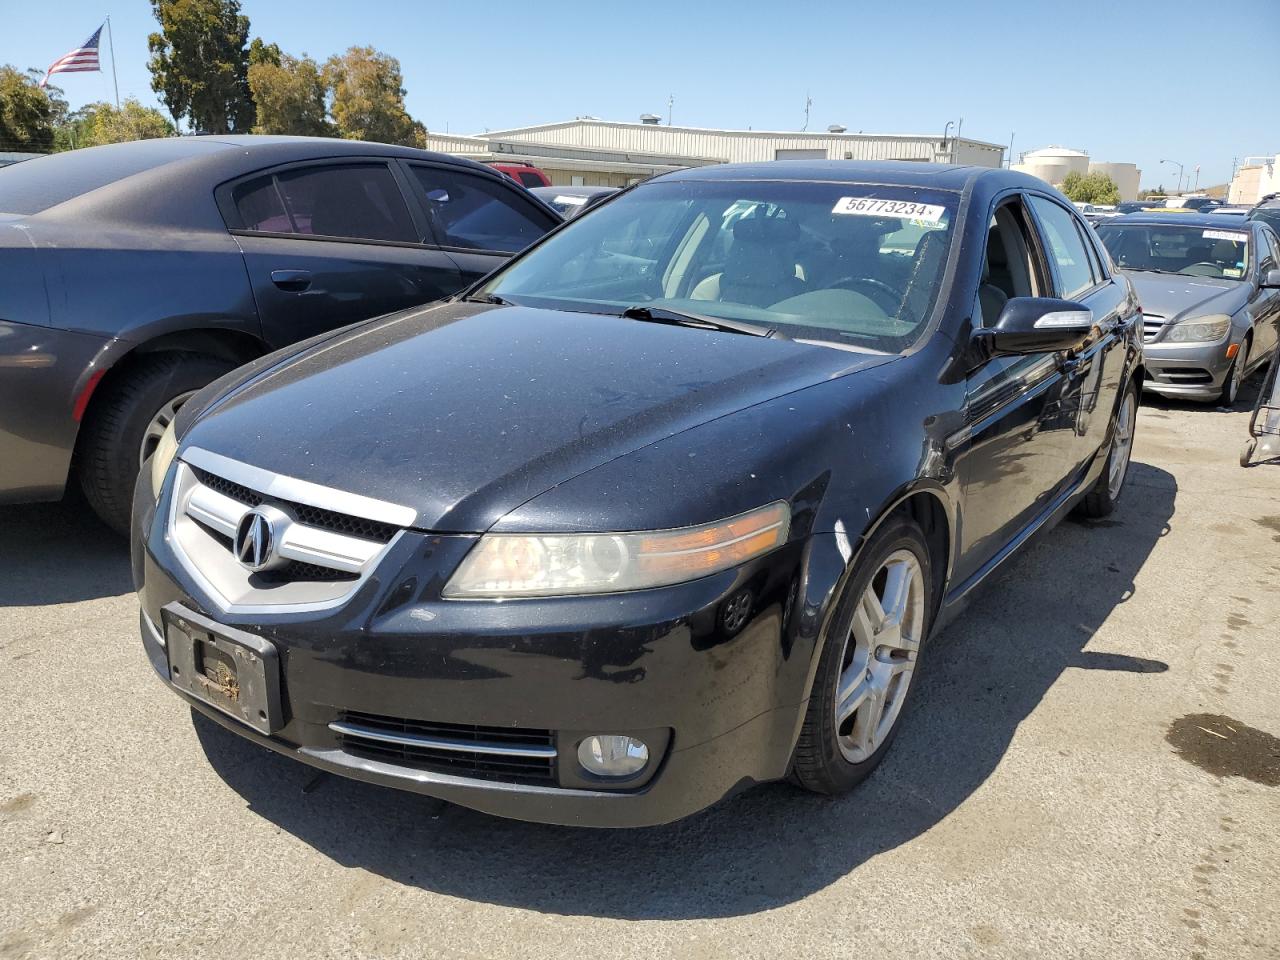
(525, 174)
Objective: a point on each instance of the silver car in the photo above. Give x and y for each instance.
(1209, 285)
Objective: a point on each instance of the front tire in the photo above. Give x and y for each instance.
(1102, 498)
(869, 662)
(1235, 376)
(124, 424)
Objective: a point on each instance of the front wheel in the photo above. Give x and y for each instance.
(869, 662)
(1236, 375)
(1101, 500)
(125, 423)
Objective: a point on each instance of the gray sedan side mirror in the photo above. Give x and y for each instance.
(1271, 279)
(1036, 325)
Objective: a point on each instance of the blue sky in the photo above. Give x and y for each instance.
(1124, 80)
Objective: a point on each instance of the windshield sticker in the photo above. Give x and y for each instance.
(572, 201)
(1226, 235)
(1234, 272)
(905, 209)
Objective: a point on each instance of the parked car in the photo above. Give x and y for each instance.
(1192, 203)
(571, 201)
(1208, 286)
(525, 174)
(1267, 212)
(135, 274)
(667, 506)
(1137, 206)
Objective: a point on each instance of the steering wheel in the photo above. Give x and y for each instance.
(877, 291)
(1215, 267)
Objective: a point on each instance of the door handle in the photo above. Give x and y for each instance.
(294, 281)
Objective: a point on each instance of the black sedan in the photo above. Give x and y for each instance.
(668, 506)
(135, 274)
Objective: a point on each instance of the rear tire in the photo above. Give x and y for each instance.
(1101, 500)
(130, 406)
(876, 668)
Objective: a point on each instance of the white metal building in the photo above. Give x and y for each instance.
(601, 152)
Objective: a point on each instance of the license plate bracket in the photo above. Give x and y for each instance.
(230, 670)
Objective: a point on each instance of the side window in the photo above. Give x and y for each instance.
(1065, 247)
(1271, 256)
(352, 201)
(476, 213)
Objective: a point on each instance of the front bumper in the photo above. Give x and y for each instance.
(722, 710)
(1194, 371)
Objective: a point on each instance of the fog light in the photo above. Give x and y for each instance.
(612, 755)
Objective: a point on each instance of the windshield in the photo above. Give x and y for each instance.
(1191, 251)
(853, 263)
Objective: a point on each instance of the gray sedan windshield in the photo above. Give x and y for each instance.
(1193, 251)
(856, 263)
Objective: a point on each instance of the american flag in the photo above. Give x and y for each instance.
(83, 59)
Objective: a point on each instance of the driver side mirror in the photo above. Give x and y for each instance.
(1271, 280)
(1035, 325)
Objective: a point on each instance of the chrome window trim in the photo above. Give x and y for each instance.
(281, 487)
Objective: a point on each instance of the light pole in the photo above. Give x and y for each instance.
(945, 133)
(1180, 168)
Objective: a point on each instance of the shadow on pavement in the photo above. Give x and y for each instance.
(59, 553)
(774, 844)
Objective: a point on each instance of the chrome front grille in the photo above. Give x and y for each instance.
(321, 548)
(1151, 326)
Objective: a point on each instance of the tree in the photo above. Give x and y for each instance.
(27, 113)
(200, 63)
(105, 123)
(1094, 187)
(288, 93)
(368, 99)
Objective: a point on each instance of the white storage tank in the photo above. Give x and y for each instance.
(1125, 176)
(1052, 164)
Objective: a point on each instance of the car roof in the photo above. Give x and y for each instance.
(938, 176)
(1170, 218)
(571, 191)
(38, 185)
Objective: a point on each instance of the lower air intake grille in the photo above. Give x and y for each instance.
(505, 754)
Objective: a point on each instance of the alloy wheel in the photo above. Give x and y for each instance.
(880, 656)
(156, 426)
(1122, 445)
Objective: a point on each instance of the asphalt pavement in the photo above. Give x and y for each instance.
(1090, 769)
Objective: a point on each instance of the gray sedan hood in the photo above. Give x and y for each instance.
(1176, 297)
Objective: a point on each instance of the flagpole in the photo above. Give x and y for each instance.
(112, 47)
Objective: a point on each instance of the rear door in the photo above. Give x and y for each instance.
(332, 242)
(480, 219)
(1265, 302)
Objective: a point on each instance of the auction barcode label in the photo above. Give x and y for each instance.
(872, 207)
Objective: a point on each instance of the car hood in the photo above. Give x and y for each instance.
(463, 412)
(1177, 298)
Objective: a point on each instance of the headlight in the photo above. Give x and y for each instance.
(162, 457)
(560, 564)
(1199, 330)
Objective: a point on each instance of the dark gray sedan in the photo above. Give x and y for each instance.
(571, 201)
(1208, 286)
(135, 274)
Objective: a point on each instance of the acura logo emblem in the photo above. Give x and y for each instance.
(255, 542)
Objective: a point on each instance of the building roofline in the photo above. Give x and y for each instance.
(790, 134)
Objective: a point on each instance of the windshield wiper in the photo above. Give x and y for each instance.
(681, 319)
(489, 298)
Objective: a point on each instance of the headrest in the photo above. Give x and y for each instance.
(766, 230)
(996, 253)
